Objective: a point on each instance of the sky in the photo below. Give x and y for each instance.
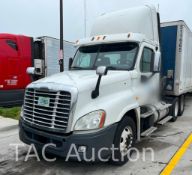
(41, 17)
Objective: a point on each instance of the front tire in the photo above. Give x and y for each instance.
(124, 140)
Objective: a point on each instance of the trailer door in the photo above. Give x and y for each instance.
(9, 67)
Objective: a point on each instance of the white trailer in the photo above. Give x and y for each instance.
(52, 47)
(46, 56)
(176, 42)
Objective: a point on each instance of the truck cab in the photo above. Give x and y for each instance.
(15, 57)
(110, 96)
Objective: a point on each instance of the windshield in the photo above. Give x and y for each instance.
(120, 56)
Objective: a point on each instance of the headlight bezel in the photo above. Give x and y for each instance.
(91, 118)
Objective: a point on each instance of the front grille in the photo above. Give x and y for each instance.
(53, 116)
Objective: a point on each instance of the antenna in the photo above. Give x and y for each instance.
(85, 18)
(61, 52)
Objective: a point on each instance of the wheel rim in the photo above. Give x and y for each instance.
(126, 140)
(176, 108)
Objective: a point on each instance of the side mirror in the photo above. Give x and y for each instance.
(101, 70)
(70, 62)
(31, 70)
(157, 62)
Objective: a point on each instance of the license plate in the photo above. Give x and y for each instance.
(44, 101)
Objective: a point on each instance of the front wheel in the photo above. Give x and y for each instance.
(123, 142)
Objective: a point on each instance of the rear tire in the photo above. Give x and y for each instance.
(124, 140)
(181, 105)
(175, 110)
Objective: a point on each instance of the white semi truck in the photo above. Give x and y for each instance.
(130, 76)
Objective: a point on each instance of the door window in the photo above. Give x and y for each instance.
(12, 44)
(8, 48)
(147, 60)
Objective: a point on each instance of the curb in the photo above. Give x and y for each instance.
(8, 124)
(8, 128)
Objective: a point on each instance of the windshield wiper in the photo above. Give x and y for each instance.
(82, 68)
(77, 67)
(111, 68)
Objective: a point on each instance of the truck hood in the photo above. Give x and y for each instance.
(83, 80)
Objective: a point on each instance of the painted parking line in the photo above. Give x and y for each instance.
(177, 157)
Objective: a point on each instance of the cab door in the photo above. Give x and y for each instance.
(9, 56)
(149, 80)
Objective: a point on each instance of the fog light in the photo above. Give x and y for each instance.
(82, 149)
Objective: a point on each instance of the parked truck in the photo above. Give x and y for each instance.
(17, 53)
(130, 76)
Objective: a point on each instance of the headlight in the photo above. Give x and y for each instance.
(93, 120)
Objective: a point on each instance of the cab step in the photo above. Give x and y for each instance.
(165, 120)
(149, 131)
(147, 114)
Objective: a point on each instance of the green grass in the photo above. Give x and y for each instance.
(13, 113)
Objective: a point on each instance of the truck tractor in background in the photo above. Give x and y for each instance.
(130, 76)
(17, 53)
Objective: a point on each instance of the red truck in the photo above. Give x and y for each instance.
(17, 53)
(15, 57)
